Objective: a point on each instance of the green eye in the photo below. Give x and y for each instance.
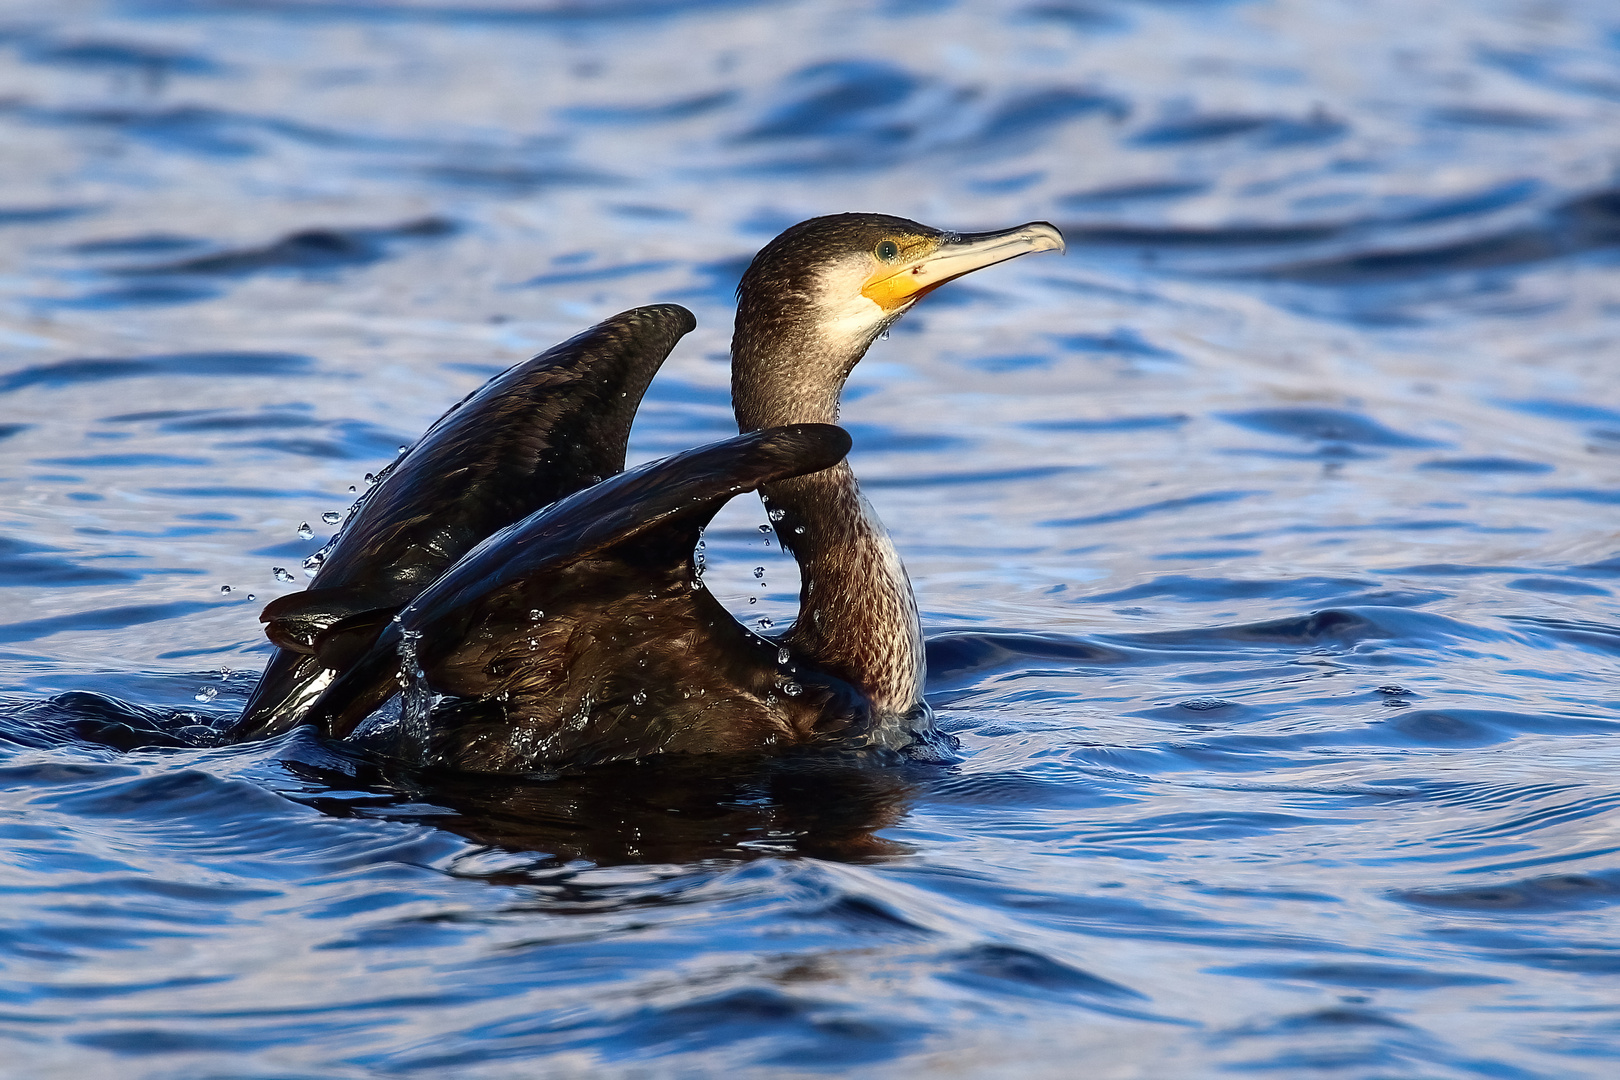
(888, 251)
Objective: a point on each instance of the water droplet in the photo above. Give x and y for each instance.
(764, 528)
(280, 573)
(370, 479)
(640, 697)
(777, 515)
(351, 487)
(759, 572)
(765, 622)
(332, 517)
(252, 597)
(224, 588)
(753, 599)
(535, 614)
(770, 699)
(792, 689)
(312, 565)
(305, 532)
(783, 656)
(403, 449)
(798, 530)
(207, 693)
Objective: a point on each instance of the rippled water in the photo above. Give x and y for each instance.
(1267, 542)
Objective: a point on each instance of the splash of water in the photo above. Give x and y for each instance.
(416, 699)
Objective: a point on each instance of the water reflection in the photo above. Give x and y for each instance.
(647, 812)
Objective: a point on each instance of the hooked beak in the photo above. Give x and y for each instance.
(895, 287)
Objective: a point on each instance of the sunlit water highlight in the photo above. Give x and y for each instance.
(1267, 542)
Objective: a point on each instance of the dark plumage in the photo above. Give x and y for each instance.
(585, 634)
(537, 432)
(582, 632)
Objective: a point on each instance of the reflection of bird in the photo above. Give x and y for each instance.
(678, 809)
(582, 632)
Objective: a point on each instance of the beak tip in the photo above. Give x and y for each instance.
(1049, 238)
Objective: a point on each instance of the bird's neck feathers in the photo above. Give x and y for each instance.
(857, 614)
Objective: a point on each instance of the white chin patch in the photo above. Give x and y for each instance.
(849, 319)
(854, 323)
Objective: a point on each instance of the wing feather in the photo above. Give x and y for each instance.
(534, 434)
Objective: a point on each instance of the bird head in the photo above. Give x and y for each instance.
(816, 297)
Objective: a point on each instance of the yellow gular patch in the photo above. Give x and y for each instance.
(889, 288)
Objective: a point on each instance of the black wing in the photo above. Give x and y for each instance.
(534, 434)
(587, 631)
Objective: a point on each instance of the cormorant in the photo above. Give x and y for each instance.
(581, 632)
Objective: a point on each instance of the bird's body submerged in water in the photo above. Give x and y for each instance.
(564, 613)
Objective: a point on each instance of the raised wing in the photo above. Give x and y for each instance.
(534, 434)
(583, 633)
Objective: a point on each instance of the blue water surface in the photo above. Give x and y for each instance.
(1267, 542)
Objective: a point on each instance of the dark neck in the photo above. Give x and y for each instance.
(857, 615)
